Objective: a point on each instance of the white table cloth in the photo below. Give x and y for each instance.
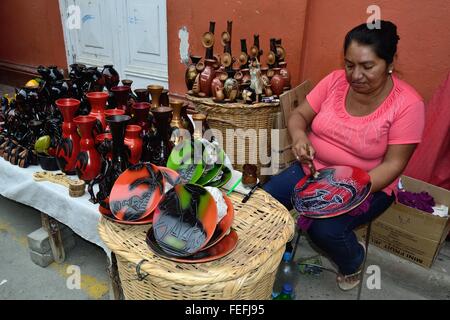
(78, 214)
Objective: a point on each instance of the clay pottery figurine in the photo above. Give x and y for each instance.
(231, 89)
(140, 111)
(111, 76)
(206, 78)
(268, 90)
(191, 71)
(88, 163)
(285, 74)
(97, 100)
(219, 95)
(69, 146)
(142, 95)
(155, 92)
(218, 81)
(133, 141)
(245, 75)
(277, 82)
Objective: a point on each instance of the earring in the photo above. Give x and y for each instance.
(390, 71)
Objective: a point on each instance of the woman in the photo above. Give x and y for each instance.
(361, 116)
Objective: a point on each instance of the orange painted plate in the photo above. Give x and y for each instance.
(217, 251)
(185, 219)
(136, 192)
(224, 225)
(147, 220)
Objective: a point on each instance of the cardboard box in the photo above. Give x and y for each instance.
(291, 99)
(281, 148)
(411, 233)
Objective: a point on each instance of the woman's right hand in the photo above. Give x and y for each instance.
(302, 149)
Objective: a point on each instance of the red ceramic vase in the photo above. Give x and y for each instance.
(285, 74)
(140, 115)
(277, 82)
(133, 141)
(88, 163)
(121, 94)
(69, 146)
(97, 101)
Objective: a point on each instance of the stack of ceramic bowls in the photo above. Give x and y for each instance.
(201, 162)
(137, 192)
(186, 227)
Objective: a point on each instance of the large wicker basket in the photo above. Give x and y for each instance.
(223, 116)
(263, 226)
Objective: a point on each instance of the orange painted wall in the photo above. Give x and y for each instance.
(269, 18)
(31, 33)
(423, 26)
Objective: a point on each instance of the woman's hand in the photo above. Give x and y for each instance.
(302, 148)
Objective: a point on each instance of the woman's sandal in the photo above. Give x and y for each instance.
(350, 281)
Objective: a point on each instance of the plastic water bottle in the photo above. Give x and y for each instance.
(287, 274)
(286, 293)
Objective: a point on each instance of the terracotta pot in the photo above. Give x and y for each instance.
(217, 82)
(69, 146)
(277, 82)
(191, 72)
(97, 101)
(285, 74)
(206, 78)
(88, 163)
(133, 141)
(155, 92)
(231, 89)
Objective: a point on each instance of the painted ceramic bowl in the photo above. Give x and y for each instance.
(336, 190)
(136, 192)
(185, 219)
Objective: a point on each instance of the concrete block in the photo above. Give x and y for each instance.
(38, 240)
(41, 259)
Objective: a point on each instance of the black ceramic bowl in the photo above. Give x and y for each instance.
(47, 163)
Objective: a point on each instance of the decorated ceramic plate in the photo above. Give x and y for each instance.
(171, 178)
(336, 190)
(224, 225)
(185, 219)
(181, 159)
(222, 178)
(108, 215)
(217, 251)
(136, 192)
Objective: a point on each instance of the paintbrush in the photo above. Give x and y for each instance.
(311, 166)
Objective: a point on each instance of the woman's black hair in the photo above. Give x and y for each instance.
(383, 40)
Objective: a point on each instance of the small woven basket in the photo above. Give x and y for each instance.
(223, 116)
(247, 273)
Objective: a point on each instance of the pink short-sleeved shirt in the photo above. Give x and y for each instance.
(342, 139)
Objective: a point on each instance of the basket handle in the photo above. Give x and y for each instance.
(221, 120)
(141, 276)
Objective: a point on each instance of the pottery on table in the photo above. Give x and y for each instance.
(111, 76)
(98, 101)
(133, 141)
(142, 95)
(120, 95)
(206, 77)
(155, 92)
(140, 111)
(285, 74)
(112, 112)
(159, 146)
(88, 163)
(69, 146)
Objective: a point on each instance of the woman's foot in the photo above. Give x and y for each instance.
(350, 281)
